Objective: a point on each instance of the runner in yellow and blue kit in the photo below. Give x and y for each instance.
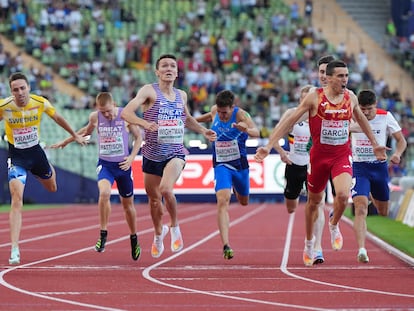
(22, 113)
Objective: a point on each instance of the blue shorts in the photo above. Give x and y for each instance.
(226, 177)
(31, 159)
(370, 178)
(112, 172)
(156, 168)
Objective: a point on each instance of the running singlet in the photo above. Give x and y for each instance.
(298, 141)
(382, 126)
(112, 138)
(330, 126)
(168, 141)
(230, 146)
(22, 124)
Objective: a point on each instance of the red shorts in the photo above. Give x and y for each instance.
(322, 166)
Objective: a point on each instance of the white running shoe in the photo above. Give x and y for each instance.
(308, 252)
(177, 243)
(336, 237)
(14, 256)
(362, 255)
(157, 247)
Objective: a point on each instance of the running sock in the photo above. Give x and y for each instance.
(104, 233)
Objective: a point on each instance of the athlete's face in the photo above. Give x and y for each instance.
(20, 90)
(167, 69)
(339, 79)
(322, 75)
(108, 110)
(369, 111)
(224, 113)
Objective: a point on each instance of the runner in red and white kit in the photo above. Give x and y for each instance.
(370, 177)
(330, 111)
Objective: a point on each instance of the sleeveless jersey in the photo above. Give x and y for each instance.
(330, 126)
(168, 141)
(230, 146)
(298, 141)
(112, 138)
(22, 124)
(383, 125)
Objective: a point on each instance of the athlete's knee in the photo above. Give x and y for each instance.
(383, 212)
(52, 187)
(382, 209)
(223, 201)
(166, 192)
(342, 197)
(314, 202)
(361, 209)
(155, 203)
(104, 195)
(129, 208)
(243, 200)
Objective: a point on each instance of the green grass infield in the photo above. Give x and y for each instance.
(28, 207)
(389, 230)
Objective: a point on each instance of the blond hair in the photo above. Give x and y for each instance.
(103, 98)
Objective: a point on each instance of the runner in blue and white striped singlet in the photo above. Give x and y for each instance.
(165, 115)
(170, 116)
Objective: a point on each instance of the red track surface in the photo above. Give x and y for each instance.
(61, 271)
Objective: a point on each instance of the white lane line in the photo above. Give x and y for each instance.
(147, 271)
(91, 227)
(284, 269)
(38, 295)
(43, 296)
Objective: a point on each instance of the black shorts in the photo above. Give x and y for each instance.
(156, 168)
(295, 176)
(32, 159)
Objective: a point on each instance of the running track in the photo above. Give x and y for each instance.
(61, 271)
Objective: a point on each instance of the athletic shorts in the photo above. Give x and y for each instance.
(112, 172)
(371, 178)
(295, 176)
(321, 166)
(31, 159)
(226, 177)
(157, 168)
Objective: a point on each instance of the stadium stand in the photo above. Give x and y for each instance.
(263, 52)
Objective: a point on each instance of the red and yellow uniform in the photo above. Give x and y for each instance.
(330, 154)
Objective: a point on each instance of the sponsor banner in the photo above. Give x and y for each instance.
(198, 176)
(409, 211)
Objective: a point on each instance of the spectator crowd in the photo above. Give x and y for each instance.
(262, 50)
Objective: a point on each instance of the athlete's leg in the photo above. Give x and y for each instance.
(311, 212)
(360, 225)
(319, 225)
(152, 188)
(223, 199)
(342, 184)
(130, 213)
(104, 202)
(171, 173)
(382, 206)
(15, 216)
(50, 183)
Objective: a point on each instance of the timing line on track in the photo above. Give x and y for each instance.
(72, 302)
(284, 269)
(147, 271)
